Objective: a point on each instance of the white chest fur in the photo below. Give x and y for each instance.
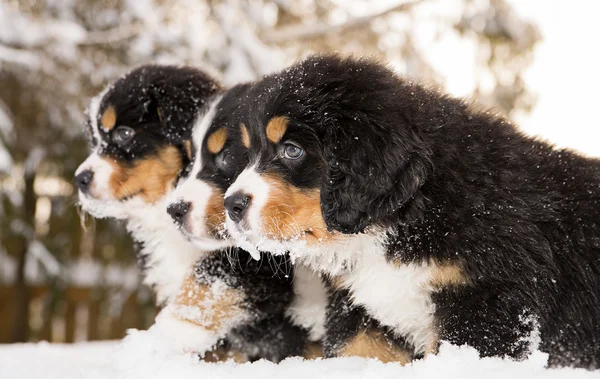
(310, 302)
(170, 257)
(397, 296)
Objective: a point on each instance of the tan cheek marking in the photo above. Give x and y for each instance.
(372, 344)
(245, 136)
(109, 118)
(209, 309)
(291, 212)
(276, 128)
(149, 178)
(215, 211)
(216, 141)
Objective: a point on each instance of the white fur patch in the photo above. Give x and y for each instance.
(170, 257)
(310, 302)
(398, 297)
(248, 233)
(94, 112)
(102, 172)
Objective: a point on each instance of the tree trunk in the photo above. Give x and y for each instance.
(21, 322)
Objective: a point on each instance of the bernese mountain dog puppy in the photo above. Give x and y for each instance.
(139, 129)
(196, 205)
(439, 220)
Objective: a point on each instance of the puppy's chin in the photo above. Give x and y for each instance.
(103, 208)
(254, 241)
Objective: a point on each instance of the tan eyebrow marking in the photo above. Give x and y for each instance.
(187, 144)
(245, 136)
(216, 141)
(276, 128)
(109, 118)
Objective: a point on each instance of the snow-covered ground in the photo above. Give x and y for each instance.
(108, 360)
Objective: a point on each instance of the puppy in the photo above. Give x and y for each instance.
(440, 221)
(196, 205)
(139, 129)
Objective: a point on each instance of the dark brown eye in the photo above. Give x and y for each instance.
(292, 151)
(122, 135)
(224, 159)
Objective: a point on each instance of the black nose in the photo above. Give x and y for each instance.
(178, 211)
(236, 205)
(84, 179)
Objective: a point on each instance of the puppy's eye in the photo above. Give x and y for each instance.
(292, 151)
(224, 159)
(122, 135)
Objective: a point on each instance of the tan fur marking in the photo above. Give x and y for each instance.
(447, 275)
(276, 128)
(216, 141)
(313, 350)
(149, 178)
(215, 211)
(291, 212)
(372, 344)
(187, 144)
(433, 346)
(215, 308)
(109, 118)
(245, 136)
(221, 354)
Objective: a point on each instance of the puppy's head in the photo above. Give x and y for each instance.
(332, 151)
(139, 130)
(196, 204)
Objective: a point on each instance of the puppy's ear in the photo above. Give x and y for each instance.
(375, 159)
(176, 95)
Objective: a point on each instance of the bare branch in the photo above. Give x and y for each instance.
(109, 36)
(303, 31)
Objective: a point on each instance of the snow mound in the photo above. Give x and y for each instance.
(105, 359)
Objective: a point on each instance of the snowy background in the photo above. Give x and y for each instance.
(66, 278)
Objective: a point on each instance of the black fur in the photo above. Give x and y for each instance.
(455, 185)
(268, 333)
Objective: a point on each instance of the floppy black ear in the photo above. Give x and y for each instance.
(375, 158)
(369, 180)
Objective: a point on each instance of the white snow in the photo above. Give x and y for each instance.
(109, 360)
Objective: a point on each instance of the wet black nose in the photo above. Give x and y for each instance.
(236, 205)
(84, 179)
(178, 211)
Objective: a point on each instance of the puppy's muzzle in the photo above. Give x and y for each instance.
(178, 211)
(83, 180)
(237, 204)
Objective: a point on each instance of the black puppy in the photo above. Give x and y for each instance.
(140, 129)
(441, 221)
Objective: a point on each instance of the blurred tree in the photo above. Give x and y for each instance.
(54, 55)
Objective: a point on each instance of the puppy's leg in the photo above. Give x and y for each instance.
(268, 286)
(351, 332)
(485, 318)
